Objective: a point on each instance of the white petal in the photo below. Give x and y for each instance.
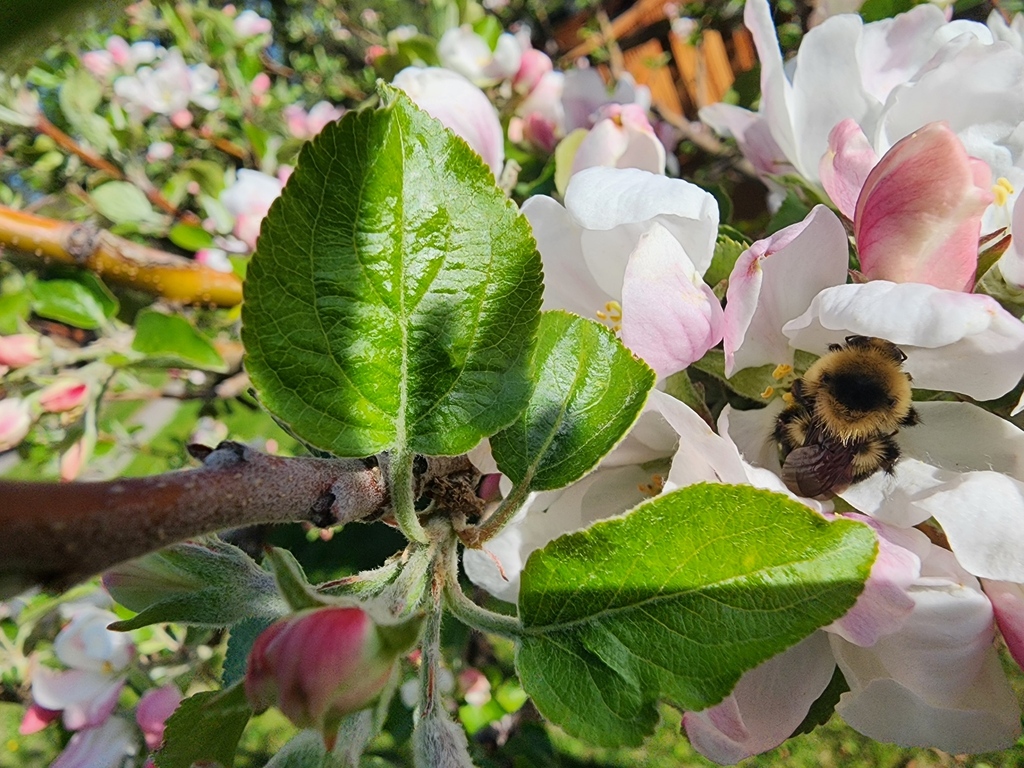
(620, 203)
(952, 438)
(982, 515)
(774, 281)
(568, 282)
(954, 341)
(87, 698)
(936, 682)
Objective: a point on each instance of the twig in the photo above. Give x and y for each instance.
(57, 534)
(68, 144)
(118, 260)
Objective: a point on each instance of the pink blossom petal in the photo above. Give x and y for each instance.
(15, 421)
(884, 604)
(604, 144)
(1008, 603)
(36, 718)
(918, 217)
(752, 134)
(954, 341)
(103, 747)
(766, 706)
(775, 280)
(846, 165)
(670, 317)
(152, 711)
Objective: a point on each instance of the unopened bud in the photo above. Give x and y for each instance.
(19, 349)
(63, 395)
(322, 664)
(15, 422)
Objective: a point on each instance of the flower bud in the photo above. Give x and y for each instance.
(63, 395)
(19, 349)
(15, 422)
(319, 665)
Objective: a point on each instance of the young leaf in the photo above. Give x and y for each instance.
(675, 601)
(71, 302)
(172, 339)
(241, 636)
(205, 729)
(212, 583)
(122, 201)
(394, 293)
(589, 391)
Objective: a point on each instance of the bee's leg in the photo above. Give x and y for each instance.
(912, 418)
(877, 453)
(861, 342)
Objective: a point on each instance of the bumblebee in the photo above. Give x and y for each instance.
(841, 423)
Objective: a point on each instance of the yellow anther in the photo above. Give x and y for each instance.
(612, 314)
(788, 398)
(1002, 190)
(782, 370)
(768, 392)
(654, 487)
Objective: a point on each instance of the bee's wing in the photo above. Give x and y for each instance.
(815, 471)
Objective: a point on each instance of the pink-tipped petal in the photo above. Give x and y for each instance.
(918, 217)
(766, 706)
(1008, 603)
(846, 165)
(670, 317)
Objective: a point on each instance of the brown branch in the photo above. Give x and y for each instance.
(91, 158)
(57, 534)
(118, 260)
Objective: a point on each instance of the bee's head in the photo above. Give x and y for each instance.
(859, 390)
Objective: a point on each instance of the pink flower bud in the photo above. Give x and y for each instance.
(322, 664)
(63, 395)
(260, 84)
(181, 119)
(918, 216)
(74, 459)
(36, 718)
(532, 67)
(15, 422)
(19, 349)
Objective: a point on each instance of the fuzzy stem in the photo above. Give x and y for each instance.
(471, 614)
(430, 646)
(476, 537)
(60, 533)
(403, 499)
(118, 260)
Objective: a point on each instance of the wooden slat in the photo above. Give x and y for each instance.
(717, 66)
(658, 78)
(642, 15)
(744, 52)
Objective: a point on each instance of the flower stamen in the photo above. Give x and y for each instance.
(611, 315)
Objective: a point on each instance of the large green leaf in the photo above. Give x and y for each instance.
(395, 291)
(589, 391)
(675, 601)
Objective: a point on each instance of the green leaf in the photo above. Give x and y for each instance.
(190, 237)
(876, 10)
(750, 382)
(205, 728)
(73, 302)
(241, 637)
(489, 28)
(727, 250)
(123, 202)
(14, 308)
(675, 601)
(171, 339)
(395, 291)
(589, 391)
(79, 96)
(210, 583)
